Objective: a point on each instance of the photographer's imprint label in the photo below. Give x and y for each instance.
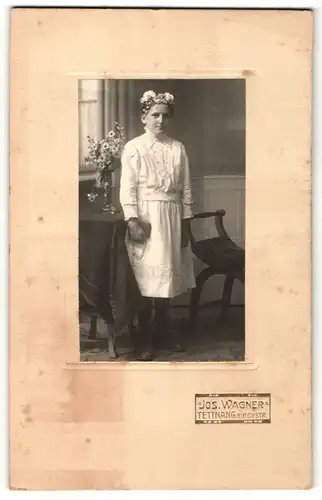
(247, 408)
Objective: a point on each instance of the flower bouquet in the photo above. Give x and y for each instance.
(105, 156)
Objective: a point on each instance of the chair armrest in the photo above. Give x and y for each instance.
(206, 215)
(219, 215)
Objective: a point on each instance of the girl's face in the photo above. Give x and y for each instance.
(157, 118)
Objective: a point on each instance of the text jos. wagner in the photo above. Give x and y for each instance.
(229, 408)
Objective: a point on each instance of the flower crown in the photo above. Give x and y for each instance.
(150, 98)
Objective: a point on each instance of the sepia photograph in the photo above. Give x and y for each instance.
(162, 219)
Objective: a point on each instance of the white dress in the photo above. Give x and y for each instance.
(155, 187)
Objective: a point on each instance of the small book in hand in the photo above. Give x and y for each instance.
(146, 226)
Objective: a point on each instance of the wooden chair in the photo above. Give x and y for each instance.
(222, 257)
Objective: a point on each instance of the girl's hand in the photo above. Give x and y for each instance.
(136, 232)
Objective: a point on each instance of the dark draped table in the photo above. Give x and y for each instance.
(106, 281)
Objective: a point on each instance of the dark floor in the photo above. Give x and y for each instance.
(212, 340)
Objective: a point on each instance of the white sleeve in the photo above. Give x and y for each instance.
(130, 164)
(186, 191)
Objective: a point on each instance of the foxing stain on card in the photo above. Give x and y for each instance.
(101, 400)
(248, 72)
(29, 280)
(26, 409)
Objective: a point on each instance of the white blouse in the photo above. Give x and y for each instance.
(154, 169)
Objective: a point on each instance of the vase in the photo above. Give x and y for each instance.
(107, 184)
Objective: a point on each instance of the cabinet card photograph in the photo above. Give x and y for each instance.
(160, 249)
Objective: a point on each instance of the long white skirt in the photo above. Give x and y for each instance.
(161, 267)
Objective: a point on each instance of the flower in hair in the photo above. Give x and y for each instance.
(169, 97)
(149, 94)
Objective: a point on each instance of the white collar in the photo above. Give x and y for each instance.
(151, 139)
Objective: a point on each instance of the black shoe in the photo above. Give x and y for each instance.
(145, 346)
(177, 347)
(168, 340)
(175, 344)
(145, 355)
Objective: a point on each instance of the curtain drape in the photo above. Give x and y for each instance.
(120, 105)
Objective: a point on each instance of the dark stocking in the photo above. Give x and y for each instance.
(145, 330)
(164, 335)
